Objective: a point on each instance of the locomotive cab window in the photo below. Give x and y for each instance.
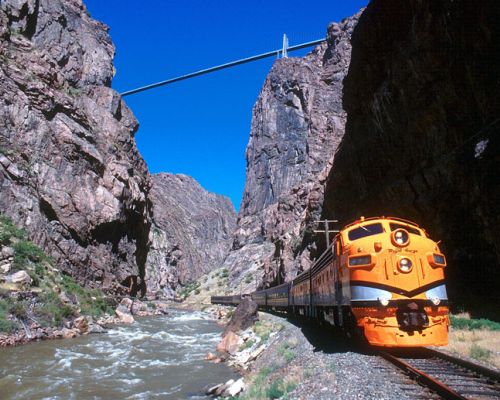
(407, 228)
(363, 231)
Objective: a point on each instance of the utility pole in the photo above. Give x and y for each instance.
(327, 229)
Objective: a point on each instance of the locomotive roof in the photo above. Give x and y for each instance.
(363, 219)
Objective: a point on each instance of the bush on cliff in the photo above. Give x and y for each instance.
(56, 298)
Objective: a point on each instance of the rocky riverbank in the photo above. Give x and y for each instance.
(78, 325)
(279, 357)
(39, 302)
(294, 359)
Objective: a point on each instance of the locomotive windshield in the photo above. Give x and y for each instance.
(408, 228)
(367, 230)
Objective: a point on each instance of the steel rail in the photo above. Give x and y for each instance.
(490, 373)
(222, 66)
(420, 376)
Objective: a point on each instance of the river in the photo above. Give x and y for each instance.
(155, 358)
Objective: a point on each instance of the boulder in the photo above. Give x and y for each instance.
(82, 324)
(235, 388)
(210, 356)
(7, 252)
(96, 328)
(66, 333)
(124, 316)
(213, 389)
(230, 343)
(244, 316)
(20, 277)
(5, 266)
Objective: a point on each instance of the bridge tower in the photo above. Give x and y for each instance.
(284, 51)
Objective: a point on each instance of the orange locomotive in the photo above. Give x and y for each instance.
(381, 277)
(391, 274)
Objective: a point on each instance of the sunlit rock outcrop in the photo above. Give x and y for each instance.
(70, 172)
(191, 234)
(298, 122)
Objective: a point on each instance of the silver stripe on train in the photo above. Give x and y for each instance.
(437, 292)
(364, 293)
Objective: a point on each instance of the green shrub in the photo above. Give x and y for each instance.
(53, 310)
(5, 324)
(18, 309)
(248, 278)
(480, 353)
(26, 252)
(246, 345)
(8, 230)
(286, 352)
(263, 331)
(91, 301)
(224, 273)
(471, 324)
(70, 286)
(275, 391)
(332, 367)
(188, 288)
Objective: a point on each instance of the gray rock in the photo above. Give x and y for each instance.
(21, 277)
(244, 316)
(5, 266)
(70, 172)
(191, 235)
(7, 252)
(298, 122)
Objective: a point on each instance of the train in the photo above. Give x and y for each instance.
(381, 279)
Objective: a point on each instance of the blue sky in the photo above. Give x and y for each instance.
(200, 127)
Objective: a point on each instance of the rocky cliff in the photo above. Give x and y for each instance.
(191, 234)
(70, 172)
(297, 124)
(423, 129)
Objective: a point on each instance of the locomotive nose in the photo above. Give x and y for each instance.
(411, 317)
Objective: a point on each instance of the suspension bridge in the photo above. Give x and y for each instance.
(283, 52)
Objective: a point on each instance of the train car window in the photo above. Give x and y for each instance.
(367, 230)
(408, 228)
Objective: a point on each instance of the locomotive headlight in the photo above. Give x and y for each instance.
(405, 265)
(383, 301)
(436, 301)
(400, 238)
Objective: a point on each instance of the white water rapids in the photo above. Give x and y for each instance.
(155, 358)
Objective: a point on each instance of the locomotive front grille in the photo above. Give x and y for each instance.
(412, 317)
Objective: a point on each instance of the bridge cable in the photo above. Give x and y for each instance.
(222, 66)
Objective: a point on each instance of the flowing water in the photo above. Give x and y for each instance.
(155, 358)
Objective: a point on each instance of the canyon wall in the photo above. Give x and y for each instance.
(191, 234)
(297, 124)
(70, 172)
(422, 134)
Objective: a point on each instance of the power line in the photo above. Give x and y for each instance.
(224, 66)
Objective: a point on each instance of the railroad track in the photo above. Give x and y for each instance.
(447, 376)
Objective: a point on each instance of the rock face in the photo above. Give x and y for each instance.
(70, 172)
(298, 122)
(423, 129)
(191, 235)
